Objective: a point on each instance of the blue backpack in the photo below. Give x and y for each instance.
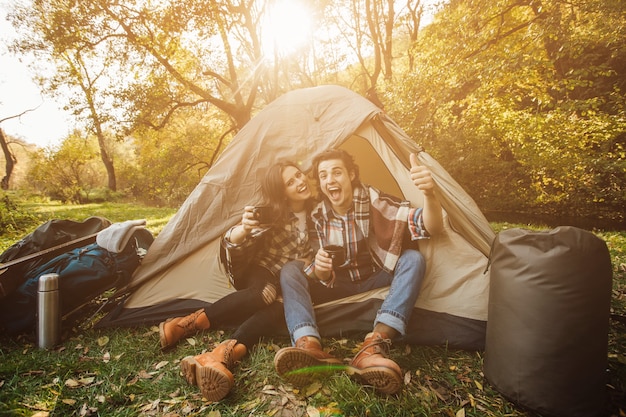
(84, 273)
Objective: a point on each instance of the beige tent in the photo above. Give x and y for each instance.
(182, 272)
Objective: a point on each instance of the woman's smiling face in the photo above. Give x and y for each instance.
(296, 185)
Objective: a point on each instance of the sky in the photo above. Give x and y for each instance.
(47, 124)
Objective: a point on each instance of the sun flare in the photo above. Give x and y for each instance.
(286, 28)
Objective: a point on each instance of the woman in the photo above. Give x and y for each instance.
(288, 192)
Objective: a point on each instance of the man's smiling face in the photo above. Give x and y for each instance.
(336, 184)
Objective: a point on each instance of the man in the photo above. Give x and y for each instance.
(371, 227)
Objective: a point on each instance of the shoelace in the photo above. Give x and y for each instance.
(376, 346)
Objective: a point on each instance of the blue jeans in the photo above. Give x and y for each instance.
(300, 294)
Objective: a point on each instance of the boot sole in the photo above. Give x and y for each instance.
(299, 368)
(188, 368)
(213, 383)
(383, 379)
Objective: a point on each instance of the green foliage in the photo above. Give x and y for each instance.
(172, 161)
(70, 172)
(14, 218)
(523, 103)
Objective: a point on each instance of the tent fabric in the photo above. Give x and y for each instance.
(182, 270)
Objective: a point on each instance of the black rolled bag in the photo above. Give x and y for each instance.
(548, 324)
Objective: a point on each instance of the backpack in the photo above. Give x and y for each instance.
(548, 320)
(84, 273)
(47, 241)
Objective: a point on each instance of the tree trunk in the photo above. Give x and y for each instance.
(10, 161)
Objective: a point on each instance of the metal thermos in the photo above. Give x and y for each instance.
(48, 311)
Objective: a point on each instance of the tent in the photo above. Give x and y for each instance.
(181, 271)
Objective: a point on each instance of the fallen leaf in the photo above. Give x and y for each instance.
(478, 385)
(41, 414)
(87, 380)
(312, 411)
(86, 411)
(154, 405)
(161, 364)
(214, 413)
(72, 383)
(68, 401)
(191, 341)
(106, 357)
(460, 413)
(103, 340)
(312, 389)
(143, 374)
(270, 391)
(407, 378)
(331, 410)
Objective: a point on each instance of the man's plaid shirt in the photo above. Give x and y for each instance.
(372, 231)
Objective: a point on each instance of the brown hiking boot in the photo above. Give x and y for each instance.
(372, 366)
(173, 330)
(299, 364)
(211, 371)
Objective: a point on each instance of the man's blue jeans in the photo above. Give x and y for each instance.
(300, 294)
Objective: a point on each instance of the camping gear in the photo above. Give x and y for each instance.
(547, 335)
(182, 271)
(48, 312)
(51, 239)
(84, 273)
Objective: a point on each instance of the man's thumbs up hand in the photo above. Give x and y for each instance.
(420, 175)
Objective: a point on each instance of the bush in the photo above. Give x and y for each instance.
(14, 219)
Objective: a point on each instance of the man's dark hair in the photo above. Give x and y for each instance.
(348, 161)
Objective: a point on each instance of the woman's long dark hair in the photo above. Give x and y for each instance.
(273, 189)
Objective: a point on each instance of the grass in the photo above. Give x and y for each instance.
(122, 372)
